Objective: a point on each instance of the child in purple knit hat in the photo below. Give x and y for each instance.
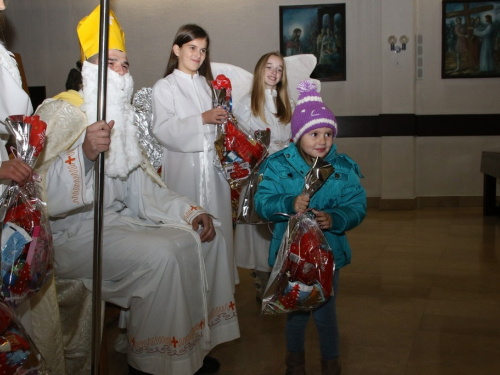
(339, 205)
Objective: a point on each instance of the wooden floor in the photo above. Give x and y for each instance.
(421, 296)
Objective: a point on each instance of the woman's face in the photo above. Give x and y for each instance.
(273, 71)
(2, 5)
(191, 55)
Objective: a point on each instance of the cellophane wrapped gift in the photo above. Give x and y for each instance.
(26, 239)
(246, 207)
(18, 354)
(302, 276)
(238, 153)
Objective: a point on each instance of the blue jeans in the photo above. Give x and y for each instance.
(325, 318)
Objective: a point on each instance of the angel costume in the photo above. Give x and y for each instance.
(252, 241)
(13, 99)
(189, 152)
(177, 289)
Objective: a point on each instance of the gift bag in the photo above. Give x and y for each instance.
(26, 239)
(238, 153)
(302, 276)
(246, 207)
(18, 354)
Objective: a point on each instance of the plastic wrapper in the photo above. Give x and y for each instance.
(26, 239)
(18, 354)
(246, 207)
(302, 276)
(316, 177)
(238, 153)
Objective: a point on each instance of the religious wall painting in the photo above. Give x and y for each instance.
(470, 39)
(318, 30)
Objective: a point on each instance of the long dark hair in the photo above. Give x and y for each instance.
(185, 34)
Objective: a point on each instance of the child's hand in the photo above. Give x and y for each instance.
(16, 170)
(323, 219)
(214, 116)
(301, 203)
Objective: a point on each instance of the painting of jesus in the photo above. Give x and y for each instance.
(471, 39)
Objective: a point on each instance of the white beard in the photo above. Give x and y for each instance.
(124, 153)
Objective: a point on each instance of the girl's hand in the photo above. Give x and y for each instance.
(301, 203)
(323, 219)
(16, 170)
(214, 116)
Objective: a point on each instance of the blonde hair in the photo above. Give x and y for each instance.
(258, 98)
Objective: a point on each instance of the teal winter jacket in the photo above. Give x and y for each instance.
(342, 196)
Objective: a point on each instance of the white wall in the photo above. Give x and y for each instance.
(378, 81)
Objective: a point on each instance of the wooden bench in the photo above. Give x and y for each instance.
(490, 167)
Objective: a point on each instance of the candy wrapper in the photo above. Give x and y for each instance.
(246, 207)
(302, 276)
(26, 239)
(18, 354)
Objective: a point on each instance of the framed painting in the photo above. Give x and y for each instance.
(319, 30)
(470, 39)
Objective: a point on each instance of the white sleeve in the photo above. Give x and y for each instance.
(158, 204)
(243, 113)
(67, 186)
(176, 134)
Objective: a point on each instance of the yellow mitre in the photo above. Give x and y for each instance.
(88, 33)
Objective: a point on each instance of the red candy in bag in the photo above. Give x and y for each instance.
(249, 150)
(308, 261)
(37, 135)
(302, 275)
(25, 215)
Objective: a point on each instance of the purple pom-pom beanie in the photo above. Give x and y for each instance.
(310, 112)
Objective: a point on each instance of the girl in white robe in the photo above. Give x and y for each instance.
(267, 106)
(13, 101)
(184, 122)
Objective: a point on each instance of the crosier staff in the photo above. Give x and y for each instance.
(99, 190)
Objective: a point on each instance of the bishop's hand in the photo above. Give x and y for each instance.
(97, 139)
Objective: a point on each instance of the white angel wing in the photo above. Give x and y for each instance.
(298, 68)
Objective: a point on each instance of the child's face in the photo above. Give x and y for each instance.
(191, 55)
(317, 142)
(273, 72)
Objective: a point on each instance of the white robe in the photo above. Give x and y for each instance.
(153, 262)
(251, 242)
(187, 168)
(13, 99)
